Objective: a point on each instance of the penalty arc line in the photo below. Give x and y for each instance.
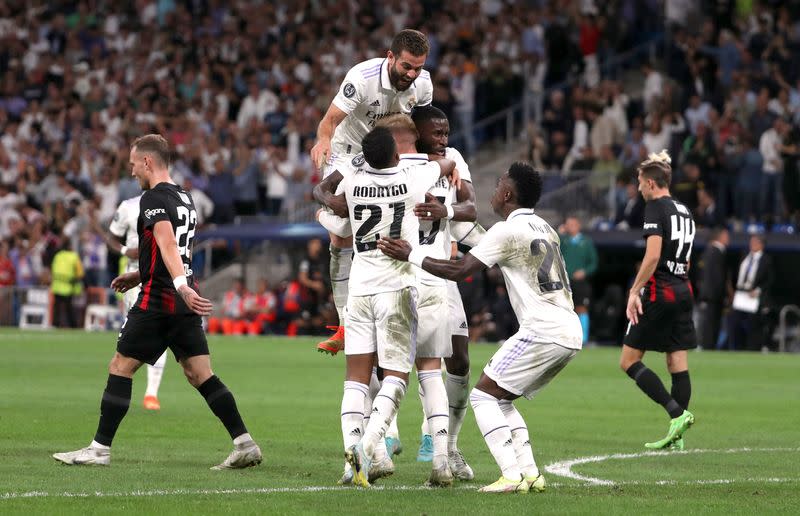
(564, 468)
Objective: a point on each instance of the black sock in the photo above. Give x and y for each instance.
(682, 388)
(113, 407)
(650, 384)
(223, 405)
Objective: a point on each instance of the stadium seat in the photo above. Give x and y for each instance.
(35, 313)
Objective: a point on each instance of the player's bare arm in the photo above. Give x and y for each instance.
(464, 209)
(454, 270)
(168, 247)
(115, 243)
(127, 281)
(448, 168)
(322, 149)
(652, 254)
(325, 194)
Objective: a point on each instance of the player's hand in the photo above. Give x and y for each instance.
(320, 152)
(197, 304)
(338, 204)
(634, 309)
(125, 282)
(395, 248)
(431, 209)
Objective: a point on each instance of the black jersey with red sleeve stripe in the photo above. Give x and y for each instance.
(673, 222)
(164, 202)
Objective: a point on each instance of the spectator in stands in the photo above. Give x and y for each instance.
(7, 272)
(66, 285)
(653, 86)
(748, 181)
(688, 184)
(233, 320)
(630, 215)
(713, 287)
(748, 324)
(260, 309)
(707, 215)
(771, 145)
(278, 171)
(580, 258)
(633, 151)
(94, 257)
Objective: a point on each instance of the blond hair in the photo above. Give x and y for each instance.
(658, 167)
(399, 122)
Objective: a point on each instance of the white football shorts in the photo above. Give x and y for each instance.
(524, 365)
(433, 334)
(455, 309)
(386, 323)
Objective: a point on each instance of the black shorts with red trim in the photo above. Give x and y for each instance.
(666, 323)
(145, 335)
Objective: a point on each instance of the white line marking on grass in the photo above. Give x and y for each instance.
(564, 468)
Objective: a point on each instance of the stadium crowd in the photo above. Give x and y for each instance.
(238, 88)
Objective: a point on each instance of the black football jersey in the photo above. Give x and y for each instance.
(673, 222)
(171, 203)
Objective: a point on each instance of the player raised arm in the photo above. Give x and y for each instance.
(165, 239)
(322, 149)
(325, 194)
(455, 270)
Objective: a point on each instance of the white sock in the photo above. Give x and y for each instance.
(457, 388)
(341, 260)
(496, 432)
(241, 439)
(384, 407)
(435, 406)
(521, 439)
(380, 447)
(97, 446)
(154, 374)
(425, 428)
(353, 401)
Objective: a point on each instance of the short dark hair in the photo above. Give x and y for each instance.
(412, 41)
(421, 114)
(527, 183)
(379, 148)
(155, 145)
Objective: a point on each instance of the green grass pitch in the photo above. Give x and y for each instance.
(742, 454)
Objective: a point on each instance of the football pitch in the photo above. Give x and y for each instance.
(588, 428)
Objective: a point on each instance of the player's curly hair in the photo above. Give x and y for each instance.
(658, 167)
(527, 183)
(155, 145)
(421, 114)
(379, 148)
(412, 41)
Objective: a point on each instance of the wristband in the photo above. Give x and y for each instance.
(416, 256)
(123, 250)
(450, 211)
(179, 282)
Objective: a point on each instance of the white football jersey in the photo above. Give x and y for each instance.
(124, 225)
(527, 250)
(366, 95)
(381, 203)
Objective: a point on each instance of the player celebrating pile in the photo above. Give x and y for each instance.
(527, 250)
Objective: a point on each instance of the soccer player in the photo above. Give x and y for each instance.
(124, 240)
(371, 90)
(660, 302)
(167, 313)
(527, 250)
(448, 206)
(381, 309)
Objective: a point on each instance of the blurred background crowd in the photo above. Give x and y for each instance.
(238, 88)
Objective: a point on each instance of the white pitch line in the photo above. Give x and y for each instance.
(564, 468)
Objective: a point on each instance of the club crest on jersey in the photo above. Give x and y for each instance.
(411, 104)
(153, 212)
(349, 90)
(358, 161)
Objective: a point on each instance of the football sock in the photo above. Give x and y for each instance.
(681, 388)
(113, 407)
(457, 388)
(384, 407)
(223, 405)
(584, 319)
(154, 374)
(496, 432)
(341, 260)
(520, 439)
(354, 401)
(425, 428)
(650, 384)
(435, 407)
(244, 438)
